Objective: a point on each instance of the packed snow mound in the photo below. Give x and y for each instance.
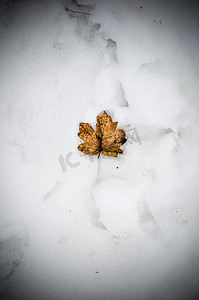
(118, 206)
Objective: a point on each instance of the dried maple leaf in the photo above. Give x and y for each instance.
(105, 140)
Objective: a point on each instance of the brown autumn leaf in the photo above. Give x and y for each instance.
(105, 140)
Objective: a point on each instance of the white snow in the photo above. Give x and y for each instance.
(74, 226)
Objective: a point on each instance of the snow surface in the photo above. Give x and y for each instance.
(78, 227)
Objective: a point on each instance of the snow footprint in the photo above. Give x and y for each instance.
(118, 206)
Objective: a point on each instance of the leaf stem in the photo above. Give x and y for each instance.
(98, 169)
(76, 12)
